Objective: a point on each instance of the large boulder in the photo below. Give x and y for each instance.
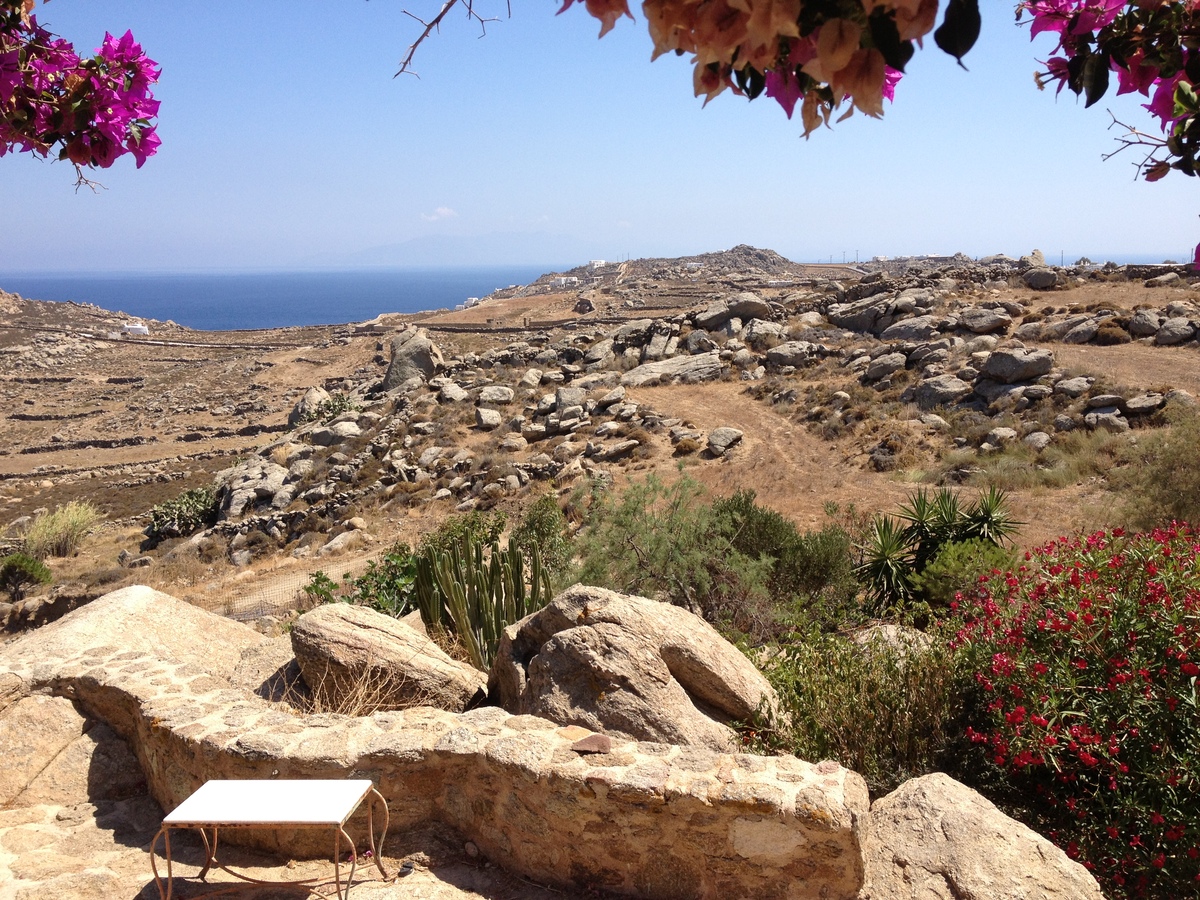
(701, 367)
(1013, 364)
(141, 620)
(940, 391)
(793, 353)
(981, 320)
(413, 354)
(629, 667)
(935, 839)
(308, 406)
(350, 653)
(917, 328)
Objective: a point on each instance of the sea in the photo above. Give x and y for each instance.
(232, 301)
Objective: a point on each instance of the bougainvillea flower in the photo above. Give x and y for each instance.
(891, 78)
(1162, 105)
(1138, 77)
(784, 87)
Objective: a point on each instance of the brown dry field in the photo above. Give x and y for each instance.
(189, 401)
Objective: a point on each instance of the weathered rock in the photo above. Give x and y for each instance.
(1143, 404)
(1000, 436)
(701, 367)
(307, 406)
(1037, 441)
(1145, 322)
(940, 390)
(1164, 280)
(1107, 418)
(1073, 387)
(1174, 331)
(698, 341)
(918, 328)
(413, 355)
(495, 394)
(487, 419)
(331, 435)
(32, 731)
(351, 654)
(935, 839)
(1040, 279)
(721, 439)
(793, 353)
(883, 366)
(452, 392)
(979, 320)
(1018, 364)
(1082, 333)
(759, 333)
(627, 666)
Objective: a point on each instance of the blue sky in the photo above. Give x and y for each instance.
(287, 143)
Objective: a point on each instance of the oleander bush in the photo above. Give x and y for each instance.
(1081, 687)
(61, 532)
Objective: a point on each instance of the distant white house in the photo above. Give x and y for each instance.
(596, 264)
(135, 328)
(563, 281)
(471, 301)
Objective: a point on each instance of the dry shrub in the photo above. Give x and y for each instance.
(687, 446)
(61, 533)
(372, 691)
(1110, 334)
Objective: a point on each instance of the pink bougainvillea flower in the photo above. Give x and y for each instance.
(1138, 77)
(784, 88)
(10, 74)
(891, 78)
(1162, 105)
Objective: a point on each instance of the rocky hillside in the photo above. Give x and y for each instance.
(750, 370)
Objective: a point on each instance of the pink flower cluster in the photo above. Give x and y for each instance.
(1080, 24)
(91, 110)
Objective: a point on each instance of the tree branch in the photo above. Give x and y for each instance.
(435, 23)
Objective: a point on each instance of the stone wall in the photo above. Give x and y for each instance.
(647, 819)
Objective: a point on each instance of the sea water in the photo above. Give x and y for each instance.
(220, 302)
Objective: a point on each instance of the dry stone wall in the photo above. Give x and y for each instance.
(647, 819)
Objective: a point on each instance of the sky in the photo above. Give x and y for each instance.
(288, 145)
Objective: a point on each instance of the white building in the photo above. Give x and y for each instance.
(135, 328)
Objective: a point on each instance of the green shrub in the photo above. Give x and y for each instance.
(387, 586)
(478, 526)
(957, 567)
(1082, 673)
(884, 710)
(812, 574)
(61, 533)
(1162, 484)
(330, 409)
(543, 528)
(18, 572)
(665, 541)
(186, 514)
(898, 549)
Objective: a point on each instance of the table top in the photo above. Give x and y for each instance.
(271, 803)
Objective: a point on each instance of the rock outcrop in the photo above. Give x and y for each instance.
(413, 355)
(935, 839)
(351, 654)
(627, 666)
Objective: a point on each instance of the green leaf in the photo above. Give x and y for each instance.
(959, 29)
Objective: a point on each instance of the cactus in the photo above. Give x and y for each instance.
(477, 597)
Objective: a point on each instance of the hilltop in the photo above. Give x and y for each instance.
(842, 384)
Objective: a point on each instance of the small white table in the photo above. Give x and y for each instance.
(280, 803)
